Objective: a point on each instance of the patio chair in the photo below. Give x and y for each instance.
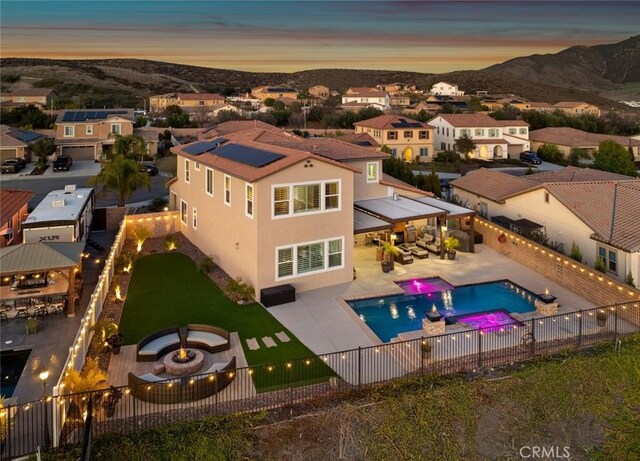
(4, 308)
(22, 309)
(404, 256)
(415, 250)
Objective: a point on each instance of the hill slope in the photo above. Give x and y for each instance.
(594, 68)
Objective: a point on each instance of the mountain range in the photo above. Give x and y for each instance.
(577, 73)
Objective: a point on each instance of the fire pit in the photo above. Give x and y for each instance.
(183, 362)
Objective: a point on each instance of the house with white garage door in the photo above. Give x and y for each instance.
(87, 134)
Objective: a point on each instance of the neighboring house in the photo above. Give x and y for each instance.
(595, 209)
(499, 103)
(15, 142)
(187, 101)
(573, 108)
(408, 139)
(366, 97)
(420, 106)
(446, 89)
(493, 138)
(246, 101)
(359, 139)
(441, 101)
(235, 126)
(397, 87)
(275, 208)
(274, 92)
(319, 91)
(399, 101)
(40, 97)
(87, 134)
(15, 206)
(566, 138)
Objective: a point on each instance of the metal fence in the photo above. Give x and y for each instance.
(299, 384)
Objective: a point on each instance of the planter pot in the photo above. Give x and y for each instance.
(386, 267)
(110, 411)
(115, 350)
(601, 319)
(451, 255)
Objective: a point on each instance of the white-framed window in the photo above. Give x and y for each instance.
(208, 182)
(493, 132)
(69, 131)
(116, 128)
(89, 129)
(227, 190)
(465, 132)
(513, 131)
(372, 172)
(196, 165)
(306, 258)
(523, 131)
(479, 132)
(609, 257)
(424, 152)
(394, 152)
(187, 170)
(195, 218)
(248, 209)
(303, 198)
(184, 212)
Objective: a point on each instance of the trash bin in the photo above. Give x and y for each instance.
(32, 326)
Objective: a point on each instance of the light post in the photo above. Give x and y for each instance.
(46, 440)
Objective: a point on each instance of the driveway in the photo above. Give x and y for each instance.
(79, 168)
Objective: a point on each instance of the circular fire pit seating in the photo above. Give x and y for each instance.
(156, 389)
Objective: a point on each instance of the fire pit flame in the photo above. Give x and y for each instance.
(183, 355)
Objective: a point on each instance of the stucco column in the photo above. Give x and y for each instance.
(443, 220)
(71, 293)
(472, 233)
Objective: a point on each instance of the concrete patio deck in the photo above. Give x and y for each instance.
(325, 323)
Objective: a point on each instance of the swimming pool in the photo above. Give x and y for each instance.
(11, 365)
(390, 315)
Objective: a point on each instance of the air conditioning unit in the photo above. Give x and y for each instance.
(58, 203)
(70, 188)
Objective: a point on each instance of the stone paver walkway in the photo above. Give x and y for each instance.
(268, 341)
(253, 345)
(282, 336)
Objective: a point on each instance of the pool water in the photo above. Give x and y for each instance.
(390, 315)
(11, 365)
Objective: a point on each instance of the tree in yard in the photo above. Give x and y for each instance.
(121, 176)
(464, 145)
(269, 102)
(434, 182)
(550, 153)
(576, 155)
(613, 157)
(130, 146)
(474, 104)
(175, 117)
(507, 112)
(227, 115)
(42, 148)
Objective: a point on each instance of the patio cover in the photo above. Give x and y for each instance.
(398, 209)
(453, 210)
(363, 222)
(34, 257)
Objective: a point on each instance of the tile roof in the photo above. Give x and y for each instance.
(6, 140)
(470, 120)
(570, 104)
(577, 138)
(12, 201)
(359, 139)
(31, 257)
(610, 208)
(384, 122)
(513, 123)
(253, 139)
(365, 92)
(575, 174)
(494, 185)
(388, 180)
(236, 126)
(30, 92)
(200, 96)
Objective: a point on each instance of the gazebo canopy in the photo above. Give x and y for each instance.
(452, 210)
(398, 209)
(363, 222)
(34, 257)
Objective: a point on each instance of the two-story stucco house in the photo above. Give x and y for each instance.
(40, 97)
(274, 92)
(358, 98)
(566, 139)
(596, 210)
(446, 89)
(493, 138)
(188, 102)
(85, 134)
(408, 139)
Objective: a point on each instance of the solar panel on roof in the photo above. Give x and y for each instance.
(101, 115)
(402, 123)
(203, 146)
(247, 155)
(68, 117)
(80, 116)
(90, 116)
(27, 136)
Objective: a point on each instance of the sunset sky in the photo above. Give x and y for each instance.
(290, 36)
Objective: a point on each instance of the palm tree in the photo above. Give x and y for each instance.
(121, 175)
(92, 378)
(131, 146)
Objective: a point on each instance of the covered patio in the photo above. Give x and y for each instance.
(39, 278)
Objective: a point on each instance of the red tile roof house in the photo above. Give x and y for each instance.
(597, 210)
(14, 209)
(493, 138)
(566, 138)
(275, 208)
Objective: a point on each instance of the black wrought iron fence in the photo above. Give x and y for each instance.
(284, 385)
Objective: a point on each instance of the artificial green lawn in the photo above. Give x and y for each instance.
(166, 289)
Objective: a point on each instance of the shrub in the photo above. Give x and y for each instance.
(600, 266)
(575, 252)
(124, 262)
(103, 329)
(240, 291)
(205, 264)
(140, 234)
(171, 242)
(451, 244)
(629, 280)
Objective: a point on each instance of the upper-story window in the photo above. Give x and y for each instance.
(423, 135)
(227, 190)
(408, 134)
(196, 165)
(208, 182)
(523, 131)
(294, 199)
(69, 131)
(493, 132)
(183, 212)
(372, 172)
(479, 132)
(116, 128)
(609, 257)
(392, 135)
(465, 132)
(513, 131)
(187, 170)
(89, 129)
(249, 201)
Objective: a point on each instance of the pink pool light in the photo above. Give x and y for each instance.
(424, 286)
(488, 321)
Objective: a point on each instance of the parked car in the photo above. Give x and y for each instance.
(62, 163)
(13, 165)
(530, 157)
(148, 168)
